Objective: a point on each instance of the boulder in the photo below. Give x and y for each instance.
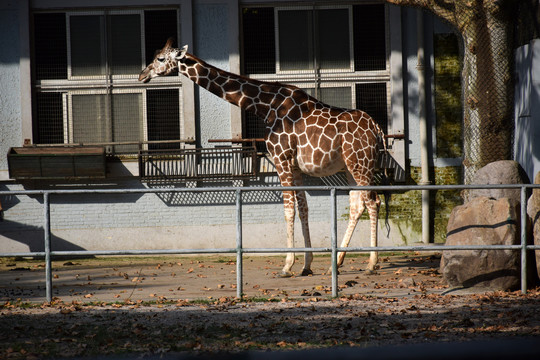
(483, 221)
(533, 210)
(495, 173)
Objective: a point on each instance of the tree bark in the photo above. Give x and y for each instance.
(486, 27)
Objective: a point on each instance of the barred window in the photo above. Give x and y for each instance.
(337, 53)
(86, 77)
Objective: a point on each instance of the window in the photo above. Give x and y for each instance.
(86, 66)
(337, 53)
(313, 39)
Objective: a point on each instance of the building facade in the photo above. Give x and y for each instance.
(68, 75)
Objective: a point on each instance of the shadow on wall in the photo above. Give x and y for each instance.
(33, 237)
(219, 197)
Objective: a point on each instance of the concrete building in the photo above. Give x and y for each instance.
(68, 74)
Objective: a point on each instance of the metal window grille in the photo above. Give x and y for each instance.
(49, 128)
(163, 112)
(371, 98)
(86, 68)
(342, 77)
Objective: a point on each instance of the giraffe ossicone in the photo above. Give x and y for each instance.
(303, 135)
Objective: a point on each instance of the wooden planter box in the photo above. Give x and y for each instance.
(34, 163)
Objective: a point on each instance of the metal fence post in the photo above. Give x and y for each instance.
(47, 244)
(333, 209)
(523, 226)
(239, 249)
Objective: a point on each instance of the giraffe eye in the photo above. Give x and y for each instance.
(161, 59)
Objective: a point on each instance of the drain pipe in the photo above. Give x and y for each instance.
(424, 140)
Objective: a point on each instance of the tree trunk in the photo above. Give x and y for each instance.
(487, 82)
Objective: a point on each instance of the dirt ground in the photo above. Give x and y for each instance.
(189, 278)
(164, 306)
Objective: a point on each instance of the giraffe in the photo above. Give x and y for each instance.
(303, 135)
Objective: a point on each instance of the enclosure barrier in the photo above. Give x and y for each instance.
(240, 250)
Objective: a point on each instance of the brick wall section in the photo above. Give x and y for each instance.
(147, 210)
(151, 211)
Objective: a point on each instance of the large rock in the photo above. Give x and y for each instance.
(533, 210)
(495, 173)
(483, 221)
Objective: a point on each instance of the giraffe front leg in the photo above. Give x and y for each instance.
(356, 208)
(288, 199)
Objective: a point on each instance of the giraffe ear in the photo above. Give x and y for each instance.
(181, 53)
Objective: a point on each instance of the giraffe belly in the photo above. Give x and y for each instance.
(315, 164)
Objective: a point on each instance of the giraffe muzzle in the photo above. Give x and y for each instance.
(145, 76)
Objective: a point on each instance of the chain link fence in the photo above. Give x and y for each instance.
(489, 32)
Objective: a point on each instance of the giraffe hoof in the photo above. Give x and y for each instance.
(329, 272)
(306, 272)
(285, 274)
(370, 272)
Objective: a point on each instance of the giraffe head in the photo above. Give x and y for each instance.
(165, 61)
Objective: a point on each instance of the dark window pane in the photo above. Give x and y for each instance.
(163, 116)
(333, 46)
(369, 37)
(372, 98)
(50, 124)
(86, 45)
(259, 41)
(50, 47)
(255, 129)
(159, 25)
(125, 44)
(295, 39)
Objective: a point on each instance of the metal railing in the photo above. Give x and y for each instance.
(219, 163)
(523, 247)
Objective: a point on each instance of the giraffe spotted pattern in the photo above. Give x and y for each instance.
(303, 135)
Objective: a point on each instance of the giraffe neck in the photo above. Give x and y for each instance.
(264, 99)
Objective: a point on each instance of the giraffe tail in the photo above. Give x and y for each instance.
(385, 180)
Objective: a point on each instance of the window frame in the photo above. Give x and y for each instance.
(104, 42)
(279, 71)
(332, 78)
(102, 84)
(67, 99)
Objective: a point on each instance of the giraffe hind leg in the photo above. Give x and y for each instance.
(288, 201)
(302, 206)
(372, 204)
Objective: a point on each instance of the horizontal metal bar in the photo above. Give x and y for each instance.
(236, 140)
(24, 254)
(113, 143)
(270, 188)
(144, 252)
(268, 250)
(283, 250)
